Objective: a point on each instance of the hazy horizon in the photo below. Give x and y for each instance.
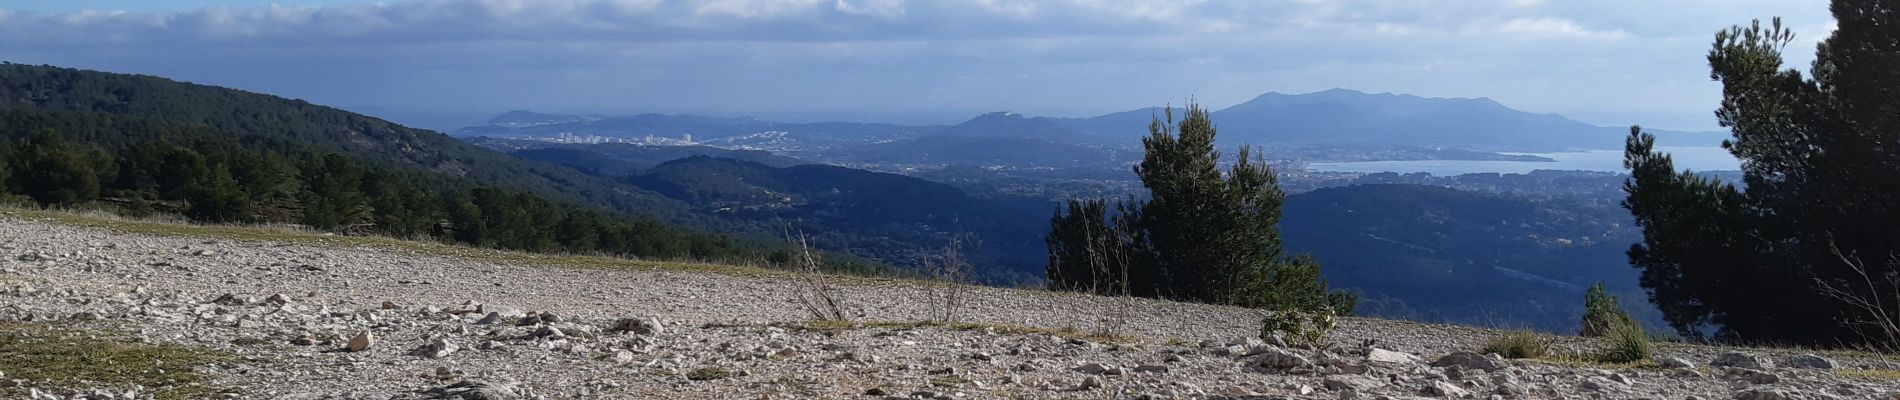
(1610, 63)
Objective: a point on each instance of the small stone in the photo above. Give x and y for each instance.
(1675, 363)
(1280, 359)
(622, 356)
(361, 342)
(490, 319)
(1391, 357)
(549, 332)
(1623, 379)
(981, 356)
(436, 349)
(1751, 376)
(228, 299)
(1150, 368)
(638, 326)
(1089, 383)
(1445, 389)
(1763, 394)
(1596, 384)
(1809, 361)
(304, 341)
(1350, 382)
(390, 306)
(876, 392)
(1737, 360)
(278, 299)
(1091, 369)
(1469, 360)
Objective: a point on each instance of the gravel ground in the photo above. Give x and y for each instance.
(471, 327)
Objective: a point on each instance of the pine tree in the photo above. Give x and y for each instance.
(54, 172)
(1800, 255)
(1200, 236)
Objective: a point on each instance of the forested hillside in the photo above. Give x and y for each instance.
(145, 144)
(1439, 254)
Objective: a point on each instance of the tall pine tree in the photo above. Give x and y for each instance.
(1803, 255)
(1201, 235)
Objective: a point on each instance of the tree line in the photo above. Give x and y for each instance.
(1201, 235)
(141, 166)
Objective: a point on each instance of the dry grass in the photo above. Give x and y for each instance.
(83, 358)
(1521, 343)
(1869, 374)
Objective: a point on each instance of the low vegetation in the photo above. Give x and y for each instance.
(1522, 343)
(70, 357)
(1624, 343)
(1601, 313)
(1299, 328)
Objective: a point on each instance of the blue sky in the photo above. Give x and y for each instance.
(1610, 62)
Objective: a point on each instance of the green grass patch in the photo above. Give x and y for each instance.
(75, 359)
(1519, 344)
(1627, 343)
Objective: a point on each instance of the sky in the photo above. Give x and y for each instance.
(441, 62)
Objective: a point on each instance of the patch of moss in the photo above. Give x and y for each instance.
(72, 358)
(708, 374)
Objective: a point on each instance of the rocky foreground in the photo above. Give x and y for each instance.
(306, 321)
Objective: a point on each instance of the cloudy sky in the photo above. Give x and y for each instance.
(1610, 62)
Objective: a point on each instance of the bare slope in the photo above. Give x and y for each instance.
(295, 299)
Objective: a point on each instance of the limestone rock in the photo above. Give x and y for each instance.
(638, 326)
(1280, 359)
(1446, 389)
(1675, 363)
(1469, 360)
(1392, 357)
(1807, 361)
(1737, 360)
(436, 349)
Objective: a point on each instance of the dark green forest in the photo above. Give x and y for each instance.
(144, 145)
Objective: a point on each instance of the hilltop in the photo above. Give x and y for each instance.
(271, 313)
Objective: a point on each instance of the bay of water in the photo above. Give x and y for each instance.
(1692, 158)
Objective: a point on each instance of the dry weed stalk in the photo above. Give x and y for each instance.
(1880, 322)
(816, 294)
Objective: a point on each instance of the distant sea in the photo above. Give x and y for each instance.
(1692, 158)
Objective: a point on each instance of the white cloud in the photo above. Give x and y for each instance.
(1546, 27)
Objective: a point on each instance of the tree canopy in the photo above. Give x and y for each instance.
(1804, 251)
(1201, 235)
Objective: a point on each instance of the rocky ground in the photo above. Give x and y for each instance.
(304, 321)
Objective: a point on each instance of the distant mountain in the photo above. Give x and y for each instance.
(946, 149)
(1348, 117)
(1004, 124)
(699, 128)
(604, 158)
(1337, 117)
(523, 119)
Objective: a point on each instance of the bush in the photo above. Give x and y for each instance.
(1300, 328)
(1627, 343)
(1520, 344)
(1601, 314)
